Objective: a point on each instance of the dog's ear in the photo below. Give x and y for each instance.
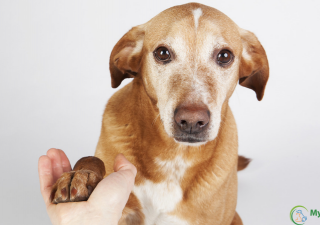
(126, 56)
(254, 68)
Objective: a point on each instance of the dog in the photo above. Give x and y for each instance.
(173, 121)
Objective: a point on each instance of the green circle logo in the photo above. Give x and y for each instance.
(298, 215)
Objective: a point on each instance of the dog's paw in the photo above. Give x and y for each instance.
(74, 186)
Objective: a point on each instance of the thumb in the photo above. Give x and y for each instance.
(112, 193)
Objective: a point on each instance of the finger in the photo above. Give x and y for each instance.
(123, 166)
(113, 191)
(66, 166)
(121, 163)
(127, 170)
(45, 177)
(54, 155)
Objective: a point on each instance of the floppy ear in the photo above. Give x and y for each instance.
(126, 56)
(254, 67)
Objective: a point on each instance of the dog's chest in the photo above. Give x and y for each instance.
(159, 199)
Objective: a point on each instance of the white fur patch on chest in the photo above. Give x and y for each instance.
(159, 199)
(173, 169)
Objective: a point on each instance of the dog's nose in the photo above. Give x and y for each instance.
(192, 119)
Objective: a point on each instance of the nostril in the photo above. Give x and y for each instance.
(183, 122)
(200, 123)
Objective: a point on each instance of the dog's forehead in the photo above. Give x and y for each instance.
(193, 21)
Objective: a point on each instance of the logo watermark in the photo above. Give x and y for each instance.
(300, 214)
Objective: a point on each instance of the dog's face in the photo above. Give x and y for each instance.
(190, 59)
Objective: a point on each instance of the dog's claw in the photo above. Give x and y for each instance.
(64, 194)
(73, 193)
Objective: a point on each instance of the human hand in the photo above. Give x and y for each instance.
(104, 205)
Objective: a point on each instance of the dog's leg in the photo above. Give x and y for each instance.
(132, 213)
(78, 184)
(236, 220)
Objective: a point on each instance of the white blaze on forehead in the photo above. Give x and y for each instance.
(196, 14)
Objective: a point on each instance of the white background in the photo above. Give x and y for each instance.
(55, 83)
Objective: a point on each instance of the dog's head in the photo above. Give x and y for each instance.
(190, 58)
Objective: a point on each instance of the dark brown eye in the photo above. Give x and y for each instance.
(162, 54)
(224, 57)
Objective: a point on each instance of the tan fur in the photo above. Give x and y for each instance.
(209, 185)
(132, 125)
(180, 182)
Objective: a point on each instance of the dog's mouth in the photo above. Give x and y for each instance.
(188, 138)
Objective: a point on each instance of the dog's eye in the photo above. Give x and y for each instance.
(162, 54)
(224, 57)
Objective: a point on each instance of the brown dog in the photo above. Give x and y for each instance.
(173, 121)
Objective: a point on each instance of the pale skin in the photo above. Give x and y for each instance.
(106, 202)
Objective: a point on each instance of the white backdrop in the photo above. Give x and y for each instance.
(55, 83)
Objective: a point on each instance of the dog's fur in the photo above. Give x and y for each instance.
(177, 182)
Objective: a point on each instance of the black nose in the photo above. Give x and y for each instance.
(192, 119)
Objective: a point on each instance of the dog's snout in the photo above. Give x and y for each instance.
(192, 119)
